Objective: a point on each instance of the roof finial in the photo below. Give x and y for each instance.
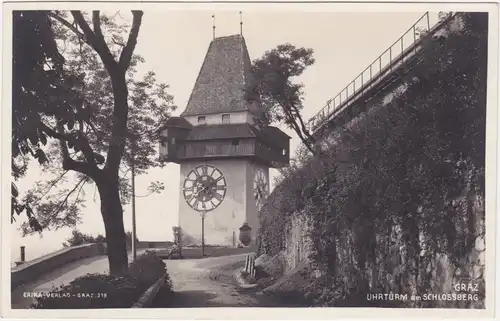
(213, 19)
(241, 23)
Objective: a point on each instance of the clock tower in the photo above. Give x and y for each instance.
(224, 155)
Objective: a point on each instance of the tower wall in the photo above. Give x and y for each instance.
(252, 216)
(222, 224)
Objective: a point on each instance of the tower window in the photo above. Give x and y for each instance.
(173, 140)
(283, 152)
(202, 120)
(226, 118)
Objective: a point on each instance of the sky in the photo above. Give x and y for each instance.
(174, 43)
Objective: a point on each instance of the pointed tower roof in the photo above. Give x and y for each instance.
(223, 79)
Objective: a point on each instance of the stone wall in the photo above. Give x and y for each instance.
(154, 244)
(31, 270)
(391, 272)
(298, 242)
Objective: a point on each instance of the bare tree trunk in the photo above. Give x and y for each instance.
(112, 214)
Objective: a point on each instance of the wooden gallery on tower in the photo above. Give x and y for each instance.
(224, 155)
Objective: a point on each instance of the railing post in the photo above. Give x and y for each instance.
(23, 254)
(402, 50)
(390, 59)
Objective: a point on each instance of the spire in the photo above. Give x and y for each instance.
(213, 23)
(241, 23)
(223, 80)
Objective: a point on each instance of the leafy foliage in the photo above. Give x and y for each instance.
(281, 98)
(37, 68)
(401, 184)
(39, 87)
(79, 238)
(93, 291)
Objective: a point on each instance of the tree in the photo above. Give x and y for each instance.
(281, 98)
(110, 108)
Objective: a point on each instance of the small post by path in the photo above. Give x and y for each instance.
(23, 254)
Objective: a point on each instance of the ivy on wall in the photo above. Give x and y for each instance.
(408, 176)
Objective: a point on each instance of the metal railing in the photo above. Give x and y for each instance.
(399, 52)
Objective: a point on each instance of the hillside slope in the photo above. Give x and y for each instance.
(395, 202)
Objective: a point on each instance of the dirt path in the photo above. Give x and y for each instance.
(207, 283)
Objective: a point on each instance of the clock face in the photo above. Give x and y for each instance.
(204, 188)
(260, 188)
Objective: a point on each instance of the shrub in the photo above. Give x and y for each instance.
(94, 291)
(146, 270)
(79, 238)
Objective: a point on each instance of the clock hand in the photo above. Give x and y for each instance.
(201, 190)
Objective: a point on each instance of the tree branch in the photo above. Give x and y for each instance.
(79, 191)
(96, 41)
(81, 142)
(51, 185)
(301, 122)
(67, 197)
(68, 25)
(120, 93)
(287, 107)
(89, 169)
(96, 21)
(127, 52)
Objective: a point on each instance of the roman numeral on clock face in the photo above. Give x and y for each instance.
(218, 197)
